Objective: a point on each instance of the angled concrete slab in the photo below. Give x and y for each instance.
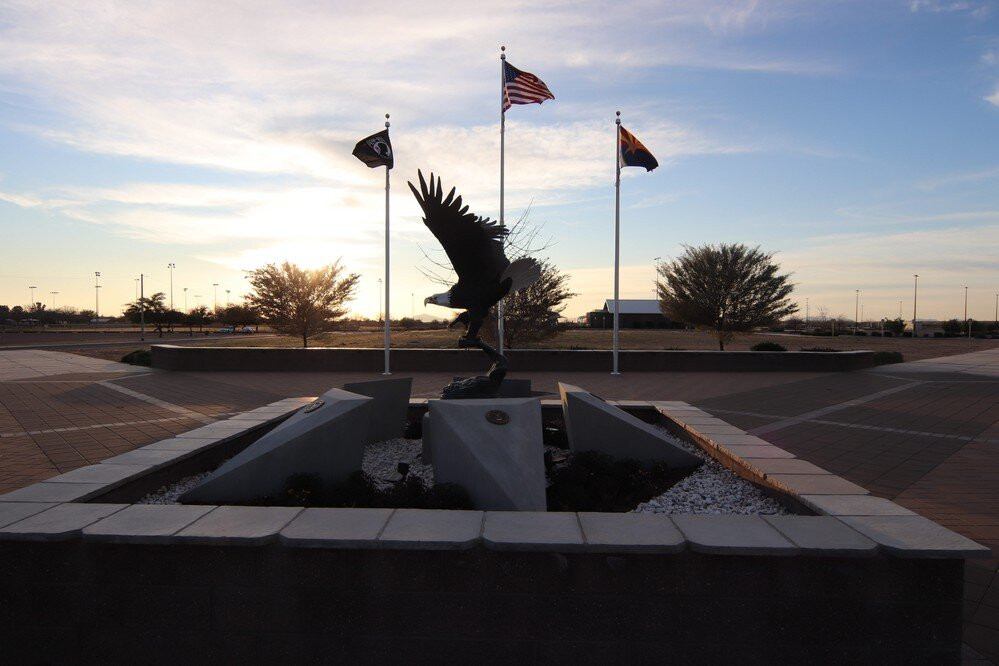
(325, 438)
(390, 406)
(493, 449)
(593, 425)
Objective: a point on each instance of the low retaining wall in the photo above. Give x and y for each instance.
(334, 359)
(76, 602)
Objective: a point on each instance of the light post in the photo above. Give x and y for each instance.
(227, 297)
(171, 266)
(412, 304)
(966, 325)
(97, 295)
(136, 289)
(379, 299)
(655, 276)
(806, 314)
(32, 295)
(861, 312)
(900, 309)
(856, 307)
(997, 311)
(185, 299)
(53, 298)
(915, 293)
(215, 285)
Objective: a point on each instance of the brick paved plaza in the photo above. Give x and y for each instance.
(924, 434)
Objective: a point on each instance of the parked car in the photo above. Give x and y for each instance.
(226, 329)
(246, 329)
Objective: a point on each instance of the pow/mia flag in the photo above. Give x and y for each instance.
(375, 150)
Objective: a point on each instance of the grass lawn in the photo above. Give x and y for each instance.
(912, 349)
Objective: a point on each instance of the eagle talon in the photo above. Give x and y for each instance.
(469, 342)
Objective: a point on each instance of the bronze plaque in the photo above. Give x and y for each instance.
(497, 417)
(313, 406)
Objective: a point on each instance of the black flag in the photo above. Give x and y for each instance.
(375, 150)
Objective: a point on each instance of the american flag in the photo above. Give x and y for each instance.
(522, 87)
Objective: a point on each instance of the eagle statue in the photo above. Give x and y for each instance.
(475, 247)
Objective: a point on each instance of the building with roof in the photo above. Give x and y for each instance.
(635, 313)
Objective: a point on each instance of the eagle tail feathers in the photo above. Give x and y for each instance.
(522, 273)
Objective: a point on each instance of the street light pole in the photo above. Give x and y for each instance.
(379, 299)
(53, 298)
(856, 307)
(97, 295)
(966, 311)
(185, 299)
(171, 266)
(655, 277)
(915, 292)
(227, 297)
(32, 295)
(142, 307)
(216, 297)
(136, 288)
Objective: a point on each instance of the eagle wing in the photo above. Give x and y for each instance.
(473, 244)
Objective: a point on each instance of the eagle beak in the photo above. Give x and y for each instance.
(428, 300)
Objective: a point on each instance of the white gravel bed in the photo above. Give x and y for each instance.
(711, 489)
(169, 494)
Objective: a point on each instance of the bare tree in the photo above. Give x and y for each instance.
(729, 288)
(531, 314)
(298, 301)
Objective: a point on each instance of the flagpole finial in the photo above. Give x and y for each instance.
(502, 53)
(618, 119)
(386, 120)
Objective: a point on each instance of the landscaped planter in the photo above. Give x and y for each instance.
(340, 359)
(105, 580)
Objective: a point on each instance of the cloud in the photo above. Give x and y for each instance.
(993, 98)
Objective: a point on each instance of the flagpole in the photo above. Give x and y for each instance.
(388, 319)
(502, 221)
(617, 237)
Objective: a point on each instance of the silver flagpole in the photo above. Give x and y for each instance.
(499, 306)
(388, 319)
(617, 236)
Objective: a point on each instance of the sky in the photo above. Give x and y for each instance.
(858, 141)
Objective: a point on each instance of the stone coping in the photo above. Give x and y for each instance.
(850, 523)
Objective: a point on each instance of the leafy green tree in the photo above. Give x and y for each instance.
(199, 316)
(298, 301)
(729, 288)
(896, 326)
(239, 315)
(150, 309)
(531, 314)
(953, 327)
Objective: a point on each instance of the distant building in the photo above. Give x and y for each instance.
(635, 313)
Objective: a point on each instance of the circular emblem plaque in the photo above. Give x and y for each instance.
(497, 417)
(313, 406)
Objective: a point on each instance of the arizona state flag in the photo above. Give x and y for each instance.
(633, 153)
(376, 150)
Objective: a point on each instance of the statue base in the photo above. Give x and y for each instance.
(483, 386)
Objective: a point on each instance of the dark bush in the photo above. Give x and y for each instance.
(819, 349)
(138, 357)
(359, 490)
(768, 346)
(885, 357)
(593, 481)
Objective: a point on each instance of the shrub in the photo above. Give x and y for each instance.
(819, 349)
(138, 357)
(885, 357)
(359, 490)
(594, 481)
(768, 346)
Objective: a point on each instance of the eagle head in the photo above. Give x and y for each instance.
(443, 298)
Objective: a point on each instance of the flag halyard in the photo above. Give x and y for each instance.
(634, 153)
(521, 87)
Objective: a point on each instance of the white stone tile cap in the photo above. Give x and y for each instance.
(532, 531)
(145, 523)
(854, 505)
(751, 451)
(101, 473)
(11, 512)
(61, 522)
(151, 458)
(178, 444)
(916, 537)
(769, 466)
(238, 525)
(53, 492)
(336, 528)
(432, 530)
(816, 484)
(630, 533)
(823, 536)
(732, 535)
